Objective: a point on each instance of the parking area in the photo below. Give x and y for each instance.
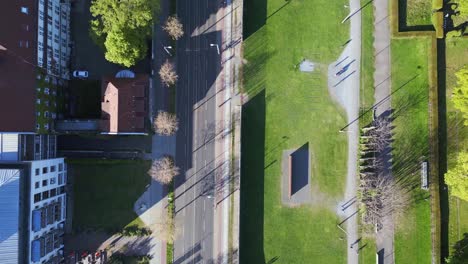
(86, 55)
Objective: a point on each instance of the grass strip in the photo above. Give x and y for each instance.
(170, 214)
(413, 242)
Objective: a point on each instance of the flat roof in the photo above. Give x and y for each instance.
(9, 215)
(17, 66)
(9, 147)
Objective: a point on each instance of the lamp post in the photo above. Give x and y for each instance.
(166, 48)
(215, 45)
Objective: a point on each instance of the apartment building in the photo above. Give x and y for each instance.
(34, 62)
(32, 211)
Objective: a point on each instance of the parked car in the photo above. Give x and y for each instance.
(80, 74)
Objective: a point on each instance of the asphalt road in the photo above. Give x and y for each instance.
(198, 66)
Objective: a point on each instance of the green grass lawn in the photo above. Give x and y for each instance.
(367, 57)
(367, 63)
(457, 138)
(105, 192)
(288, 109)
(418, 12)
(411, 144)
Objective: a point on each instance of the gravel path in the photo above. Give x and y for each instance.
(345, 89)
(382, 84)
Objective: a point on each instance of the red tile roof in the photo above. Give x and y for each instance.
(124, 104)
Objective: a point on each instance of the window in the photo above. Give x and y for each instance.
(38, 101)
(37, 171)
(52, 180)
(38, 126)
(53, 168)
(38, 114)
(24, 10)
(60, 167)
(37, 197)
(36, 185)
(44, 183)
(53, 192)
(46, 115)
(45, 170)
(45, 195)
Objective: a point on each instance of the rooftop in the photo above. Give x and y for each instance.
(9, 215)
(123, 104)
(18, 21)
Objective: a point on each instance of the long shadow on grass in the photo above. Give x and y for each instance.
(252, 180)
(442, 117)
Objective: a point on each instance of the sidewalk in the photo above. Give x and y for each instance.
(152, 204)
(382, 84)
(345, 89)
(226, 246)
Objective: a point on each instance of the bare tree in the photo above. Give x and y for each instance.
(173, 27)
(381, 135)
(167, 74)
(166, 228)
(381, 197)
(163, 170)
(166, 123)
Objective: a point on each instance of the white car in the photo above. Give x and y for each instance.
(80, 74)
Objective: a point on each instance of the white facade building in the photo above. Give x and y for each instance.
(34, 212)
(47, 209)
(53, 37)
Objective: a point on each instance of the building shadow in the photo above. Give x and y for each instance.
(300, 168)
(252, 181)
(460, 254)
(255, 15)
(190, 254)
(198, 68)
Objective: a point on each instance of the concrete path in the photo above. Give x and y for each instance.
(345, 89)
(382, 80)
(152, 204)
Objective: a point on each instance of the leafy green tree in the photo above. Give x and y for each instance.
(463, 7)
(460, 93)
(124, 48)
(122, 28)
(457, 178)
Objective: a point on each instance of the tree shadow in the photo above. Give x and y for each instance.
(460, 251)
(252, 184)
